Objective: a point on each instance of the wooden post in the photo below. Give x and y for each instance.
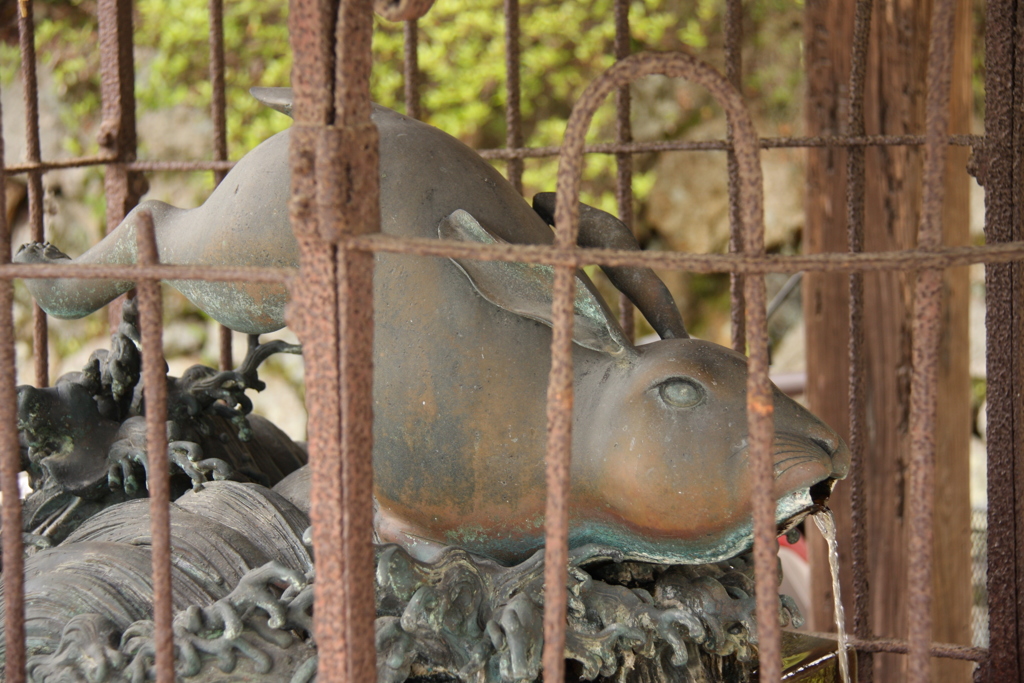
(894, 104)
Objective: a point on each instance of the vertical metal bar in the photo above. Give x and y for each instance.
(117, 138)
(411, 63)
(750, 332)
(760, 426)
(624, 162)
(310, 28)
(1004, 286)
(314, 317)
(26, 38)
(734, 74)
(926, 328)
(352, 71)
(356, 303)
(513, 118)
(218, 113)
(760, 402)
(335, 196)
(560, 399)
(314, 320)
(154, 382)
(218, 104)
(858, 371)
(224, 339)
(10, 464)
(354, 174)
(352, 65)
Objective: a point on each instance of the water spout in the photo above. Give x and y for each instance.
(827, 525)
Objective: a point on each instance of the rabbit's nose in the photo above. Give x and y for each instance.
(827, 440)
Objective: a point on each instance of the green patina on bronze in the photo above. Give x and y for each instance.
(461, 364)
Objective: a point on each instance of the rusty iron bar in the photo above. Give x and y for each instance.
(925, 352)
(117, 137)
(560, 398)
(356, 304)
(10, 271)
(1004, 325)
(314, 318)
(900, 646)
(10, 465)
(513, 109)
(411, 68)
(623, 160)
(218, 113)
(310, 27)
(335, 196)
(760, 410)
(218, 99)
(734, 74)
(158, 481)
(81, 162)
(857, 366)
(723, 145)
(947, 257)
(750, 333)
(26, 39)
(76, 162)
(538, 152)
(352, 172)
(352, 79)
(910, 259)
(178, 166)
(224, 339)
(759, 394)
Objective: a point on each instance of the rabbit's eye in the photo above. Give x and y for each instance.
(681, 393)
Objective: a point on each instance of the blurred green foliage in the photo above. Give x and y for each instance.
(565, 45)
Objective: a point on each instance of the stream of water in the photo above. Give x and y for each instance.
(827, 525)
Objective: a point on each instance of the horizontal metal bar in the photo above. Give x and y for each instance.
(901, 646)
(130, 272)
(539, 152)
(81, 162)
(947, 257)
(180, 165)
(723, 145)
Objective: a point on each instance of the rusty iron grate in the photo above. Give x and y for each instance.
(337, 245)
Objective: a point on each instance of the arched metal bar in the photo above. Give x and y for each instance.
(759, 395)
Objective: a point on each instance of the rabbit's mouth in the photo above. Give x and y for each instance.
(801, 461)
(807, 471)
(817, 495)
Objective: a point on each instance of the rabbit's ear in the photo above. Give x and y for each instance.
(279, 99)
(642, 286)
(526, 289)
